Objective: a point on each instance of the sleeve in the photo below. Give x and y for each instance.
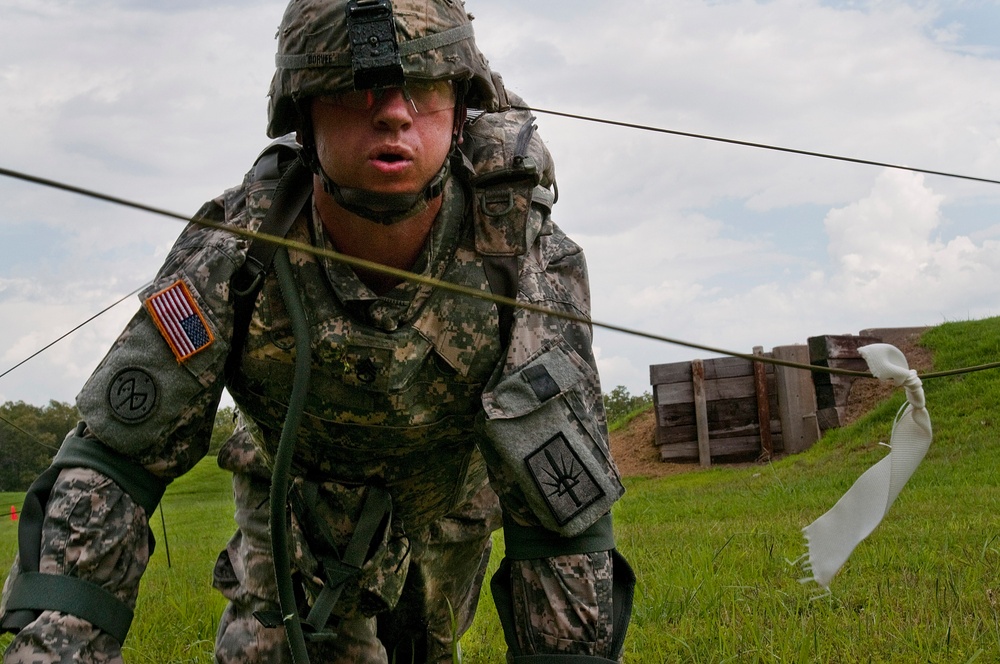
(546, 443)
(94, 531)
(148, 405)
(564, 604)
(544, 429)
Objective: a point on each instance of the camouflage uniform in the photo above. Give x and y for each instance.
(398, 388)
(414, 393)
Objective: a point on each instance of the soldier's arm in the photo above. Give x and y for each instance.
(93, 532)
(562, 588)
(148, 412)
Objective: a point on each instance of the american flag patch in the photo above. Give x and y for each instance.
(180, 320)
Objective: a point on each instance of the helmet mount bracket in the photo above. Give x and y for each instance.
(375, 58)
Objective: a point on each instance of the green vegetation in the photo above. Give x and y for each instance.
(29, 438)
(31, 435)
(711, 549)
(621, 406)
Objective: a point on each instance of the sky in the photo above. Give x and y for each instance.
(717, 244)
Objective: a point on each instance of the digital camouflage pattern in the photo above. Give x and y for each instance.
(95, 531)
(313, 62)
(400, 398)
(445, 560)
(572, 625)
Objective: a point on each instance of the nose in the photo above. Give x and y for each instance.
(393, 110)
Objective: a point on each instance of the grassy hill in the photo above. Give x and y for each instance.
(712, 549)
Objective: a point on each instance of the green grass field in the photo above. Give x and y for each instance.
(711, 549)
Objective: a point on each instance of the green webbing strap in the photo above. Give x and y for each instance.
(290, 196)
(437, 40)
(144, 487)
(529, 543)
(29, 543)
(34, 591)
(377, 506)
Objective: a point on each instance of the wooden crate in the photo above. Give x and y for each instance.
(712, 409)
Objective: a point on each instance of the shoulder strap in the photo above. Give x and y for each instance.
(506, 178)
(290, 195)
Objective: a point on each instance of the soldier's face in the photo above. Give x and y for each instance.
(385, 145)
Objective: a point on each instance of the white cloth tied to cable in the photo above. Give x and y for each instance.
(833, 536)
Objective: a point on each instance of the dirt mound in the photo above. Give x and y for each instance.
(634, 450)
(634, 445)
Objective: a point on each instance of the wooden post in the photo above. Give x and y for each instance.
(763, 406)
(796, 400)
(701, 412)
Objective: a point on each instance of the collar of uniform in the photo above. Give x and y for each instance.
(388, 311)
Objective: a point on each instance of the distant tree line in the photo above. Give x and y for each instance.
(30, 437)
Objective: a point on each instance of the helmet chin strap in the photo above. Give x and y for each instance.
(385, 209)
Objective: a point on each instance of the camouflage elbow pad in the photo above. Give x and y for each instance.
(543, 439)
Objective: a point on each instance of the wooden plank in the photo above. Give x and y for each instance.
(747, 441)
(725, 447)
(680, 372)
(763, 406)
(675, 415)
(837, 346)
(727, 367)
(830, 418)
(723, 388)
(701, 412)
(666, 374)
(722, 413)
(675, 435)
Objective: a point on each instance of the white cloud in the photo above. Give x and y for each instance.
(888, 251)
(888, 267)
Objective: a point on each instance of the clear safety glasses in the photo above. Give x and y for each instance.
(423, 96)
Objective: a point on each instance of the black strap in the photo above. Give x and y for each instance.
(374, 513)
(143, 486)
(622, 594)
(290, 196)
(529, 543)
(501, 273)
(29, 542)
(32, 592)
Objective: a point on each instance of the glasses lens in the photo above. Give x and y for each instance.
(430, 96)
(425, 96)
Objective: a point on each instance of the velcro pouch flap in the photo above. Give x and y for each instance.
(540, 438)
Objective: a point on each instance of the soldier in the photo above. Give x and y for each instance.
(387, 427)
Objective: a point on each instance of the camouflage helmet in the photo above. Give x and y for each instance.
(435, 38)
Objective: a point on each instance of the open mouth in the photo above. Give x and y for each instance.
(392, 155)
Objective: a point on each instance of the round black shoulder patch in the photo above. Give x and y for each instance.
(132, 395)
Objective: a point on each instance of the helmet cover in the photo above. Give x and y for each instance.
(436, 42)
